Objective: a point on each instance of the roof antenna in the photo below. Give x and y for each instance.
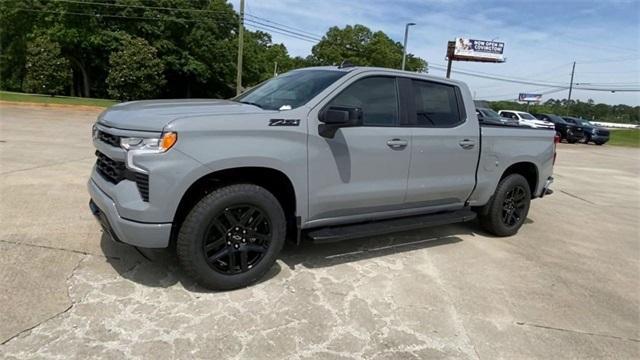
(345, 64)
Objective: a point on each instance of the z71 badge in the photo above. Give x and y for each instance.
(284, 122)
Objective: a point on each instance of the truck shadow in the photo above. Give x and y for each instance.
(160, 268)
(312, 255)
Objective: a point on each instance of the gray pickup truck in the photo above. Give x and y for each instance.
(324, 153)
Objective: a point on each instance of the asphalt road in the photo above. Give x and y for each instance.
(567, 286)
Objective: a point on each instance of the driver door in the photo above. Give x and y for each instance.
(360, 173)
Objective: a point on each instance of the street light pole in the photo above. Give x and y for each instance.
(573, 70)
(404, 48)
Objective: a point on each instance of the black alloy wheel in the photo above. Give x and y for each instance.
(513, 206)
(237, 239)
(232, 237)
(507, 209)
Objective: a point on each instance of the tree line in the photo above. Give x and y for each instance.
(140, 49)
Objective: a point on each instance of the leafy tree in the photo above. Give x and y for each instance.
(135, 71)
(361, 46)
(47, 72)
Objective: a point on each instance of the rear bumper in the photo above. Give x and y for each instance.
(546, 189)
(148, 235)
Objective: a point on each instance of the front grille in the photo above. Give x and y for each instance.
(115, 171)
(142, 181)
(110, 139)
(112, 170)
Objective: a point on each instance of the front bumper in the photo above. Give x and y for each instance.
(599, 138)
(147, 235)
(574, 136)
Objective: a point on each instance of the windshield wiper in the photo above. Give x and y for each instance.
(251, 103)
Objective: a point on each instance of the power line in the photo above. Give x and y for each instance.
(517, 81)
(119, 16)
(281, 33)
(147, 7)
(261, 26)
(282, 29)
(287, 26)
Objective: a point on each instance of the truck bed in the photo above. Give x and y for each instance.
(503, 146)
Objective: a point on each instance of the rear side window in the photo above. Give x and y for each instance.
(376, 96)
(436, 104)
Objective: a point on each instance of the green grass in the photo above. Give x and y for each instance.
(625, 138)
(46, 99)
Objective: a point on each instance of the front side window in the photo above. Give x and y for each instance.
(377, 98)
(290, 90)
(436, 104)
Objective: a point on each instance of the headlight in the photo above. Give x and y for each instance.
(594, 131)
(150, 145)
(94, 132)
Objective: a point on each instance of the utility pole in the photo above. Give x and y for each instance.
(240, 45)
(573, 70)
(404, 48)
(451, 45)
(275, 69)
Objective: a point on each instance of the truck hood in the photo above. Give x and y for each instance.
(154, 115)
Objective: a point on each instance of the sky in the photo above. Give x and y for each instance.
(542, 38)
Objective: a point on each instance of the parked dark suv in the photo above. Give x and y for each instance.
(572, 133)
(591, 132)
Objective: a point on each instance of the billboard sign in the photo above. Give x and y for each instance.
(482, 50)
(530, 97)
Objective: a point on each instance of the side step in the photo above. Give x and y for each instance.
(373, 228)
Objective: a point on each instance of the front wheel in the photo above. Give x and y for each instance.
(508, 208)
(231, 238)
(573, 141)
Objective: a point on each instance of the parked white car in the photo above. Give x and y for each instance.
(524, 118)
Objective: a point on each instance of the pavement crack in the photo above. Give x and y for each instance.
(64, 311)
(576, 331)
(47, 165)
(577, 197)
(59, 249)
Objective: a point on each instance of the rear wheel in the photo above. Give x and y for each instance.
(232, 237)
(508, 209)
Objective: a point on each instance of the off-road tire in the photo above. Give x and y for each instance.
(191, 242)
(492, 214)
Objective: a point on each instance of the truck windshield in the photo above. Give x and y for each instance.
(527, 116)
(290, 90)
(490, 114)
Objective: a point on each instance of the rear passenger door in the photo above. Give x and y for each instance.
(445, 146)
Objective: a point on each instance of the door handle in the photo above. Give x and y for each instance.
(467, 144)
(397, 143)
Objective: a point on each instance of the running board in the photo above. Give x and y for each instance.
(373, 228)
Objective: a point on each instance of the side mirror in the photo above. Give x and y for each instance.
(335, 117)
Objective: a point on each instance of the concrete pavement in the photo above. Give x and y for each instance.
(567, 286)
